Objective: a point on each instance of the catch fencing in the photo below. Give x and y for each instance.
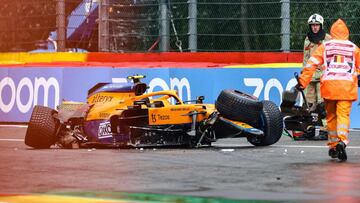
(168, 25)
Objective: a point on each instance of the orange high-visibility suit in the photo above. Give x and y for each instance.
(338, 83)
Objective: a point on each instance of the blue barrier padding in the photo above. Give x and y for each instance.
(22, 88)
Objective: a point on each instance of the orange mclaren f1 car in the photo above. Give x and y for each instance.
(123, 115)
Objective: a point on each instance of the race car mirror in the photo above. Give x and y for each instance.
(140, 88)
(200, 99)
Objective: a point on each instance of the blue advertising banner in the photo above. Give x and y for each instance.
(23, 88)
(77, 81)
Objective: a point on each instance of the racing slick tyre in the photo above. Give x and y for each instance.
(42, 127)
(239, 106)
(271, 123)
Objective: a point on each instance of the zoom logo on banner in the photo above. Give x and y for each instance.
(182, 86)
(25, 94)
(263, 88)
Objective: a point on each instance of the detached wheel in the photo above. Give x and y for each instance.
(271, 123)
(239, 106)
(42, 127)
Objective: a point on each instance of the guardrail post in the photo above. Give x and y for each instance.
(192, 25)
(61, 25)
(285, 25)
(164, 27)
(104, 26)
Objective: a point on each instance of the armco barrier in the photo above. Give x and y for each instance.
(213, 57)
(22, 88)
(188, 57)
(24, 57)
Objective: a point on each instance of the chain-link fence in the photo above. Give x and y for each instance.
(27, 24)
(178, 25)
(331, 10)
(128, 25)
(169, 25)
(82, 26)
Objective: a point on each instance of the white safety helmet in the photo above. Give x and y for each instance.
(316, 19)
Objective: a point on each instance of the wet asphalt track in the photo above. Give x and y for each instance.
(297, 171)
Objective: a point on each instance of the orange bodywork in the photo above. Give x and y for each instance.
(178, 114)
(172, 111)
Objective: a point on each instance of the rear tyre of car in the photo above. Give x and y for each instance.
(239, 106)
(271, 123)
(42, 127)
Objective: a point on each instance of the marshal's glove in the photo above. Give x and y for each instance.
(299, 87)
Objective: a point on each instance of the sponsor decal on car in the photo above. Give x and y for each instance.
(180, 109)
(163, 117)
(104, 115)
(104, 130)
(101, 99)
(155, 117)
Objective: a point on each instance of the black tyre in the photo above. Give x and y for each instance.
(42, 127)
(239, 106)
(271, 123)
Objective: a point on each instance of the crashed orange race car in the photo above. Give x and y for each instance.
(123, 115)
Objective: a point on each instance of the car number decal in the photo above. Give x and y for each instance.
(104, 130)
